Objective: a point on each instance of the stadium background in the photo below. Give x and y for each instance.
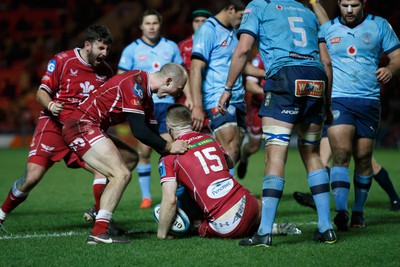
(32, 31)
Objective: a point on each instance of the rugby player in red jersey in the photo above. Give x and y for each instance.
(124, 97)
(70, 77)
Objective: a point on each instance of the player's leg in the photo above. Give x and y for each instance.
(341, 141)
(318, 179)
(277, 137)
(383, 179)
(20, 189)
(144, 173)
(113, 167)
(228, 136)
(253, 142)
(47, 147)
(128, 153)
(363, 175)
(306, 199)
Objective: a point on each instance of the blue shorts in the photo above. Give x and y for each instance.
(363, 113)
(236, 114)
(295, 95)
(160, 113)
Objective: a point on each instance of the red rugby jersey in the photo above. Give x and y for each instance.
(69, 80)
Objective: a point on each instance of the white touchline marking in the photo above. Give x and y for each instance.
(41, 235)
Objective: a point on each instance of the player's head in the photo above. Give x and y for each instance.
(97, 44)
(179, 119)
(199, 16)
(150, 24)
(352, 11)
(173, 79)
(235, 9)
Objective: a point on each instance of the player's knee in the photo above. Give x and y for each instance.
(309, 138)
(276, 135)
(341, 156)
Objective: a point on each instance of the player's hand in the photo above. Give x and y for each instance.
(384, 75)
(179, 147)
(189, 103)
(223, 102)
(197, 118)
(55, 108)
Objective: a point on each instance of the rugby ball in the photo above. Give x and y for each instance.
(181, 223)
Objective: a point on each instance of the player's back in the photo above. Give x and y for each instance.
(287, 33)
(128, 92)
(204, 171)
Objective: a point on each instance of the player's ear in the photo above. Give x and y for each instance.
(169, 80)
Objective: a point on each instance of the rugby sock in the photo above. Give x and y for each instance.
(144, 171)
(232, 172)
(271, 195)
(382, 177)
(340, 183)
(14, 198)
(103, 219)
(318, 181)
(362, 185)
(98, 187)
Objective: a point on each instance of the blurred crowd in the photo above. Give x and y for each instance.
(32, 31)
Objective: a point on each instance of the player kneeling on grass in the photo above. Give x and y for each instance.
(228, 209)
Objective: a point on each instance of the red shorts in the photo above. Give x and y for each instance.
(247, 215)
(254, 122)
(81, 135)
(48, 146)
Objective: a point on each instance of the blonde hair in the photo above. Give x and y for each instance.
(175, 71)
(179, 118)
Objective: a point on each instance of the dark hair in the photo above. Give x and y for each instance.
(99, 33)
(149, 12)
(238, 4)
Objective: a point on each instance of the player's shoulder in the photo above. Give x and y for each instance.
(134, 44)
(66, 55)
(167, 42)
(382, 22)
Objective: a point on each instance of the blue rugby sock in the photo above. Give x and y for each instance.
(340, 183)
(362, 184)
(144, 171)
(272, 193)
(318, 181)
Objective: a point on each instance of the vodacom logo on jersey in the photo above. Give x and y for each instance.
(352, 50)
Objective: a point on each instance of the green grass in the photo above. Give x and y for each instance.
(56, 205)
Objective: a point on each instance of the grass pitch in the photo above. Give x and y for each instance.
(48, 230)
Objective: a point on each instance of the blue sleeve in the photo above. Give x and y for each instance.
(177, 54)
(390, 41)
(203, 42)
(127, 60)
(250, 23)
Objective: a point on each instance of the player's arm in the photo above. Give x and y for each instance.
(319, 11)
(149, 137)
(238, 63)
(196, 67)
(167, 209)
(187, 93)
(44, 99)
(249, 69)
(385, 74)
(326, 60)
(253, 86)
